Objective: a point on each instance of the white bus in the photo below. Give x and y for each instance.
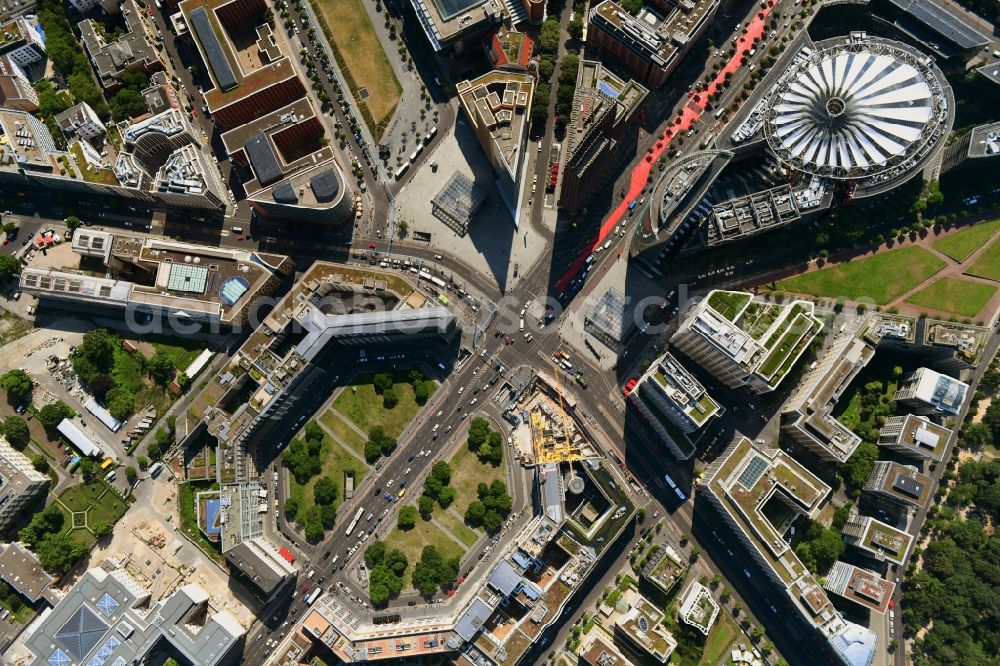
(313, 596)
(354, 523)
(401, 170)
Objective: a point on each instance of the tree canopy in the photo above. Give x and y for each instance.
(382, 382)
(9, 266)
(17, 383)
(385, 572)
(820, 547)
(312, 525)
(161, 367)
(302, 459)
(379, 444)
(325, 490)
(958, 586)
(15, 429)
(492, 507)
(433, 571)
(59, 552)
(407, 519)
(53, 413)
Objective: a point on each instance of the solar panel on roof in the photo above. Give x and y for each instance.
(217, 61)
(908, 486)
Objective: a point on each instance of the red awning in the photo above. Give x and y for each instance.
(285, 553)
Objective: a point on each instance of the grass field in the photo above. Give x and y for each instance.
(345, 432)
(364, 407)
(961, 244)
(719, 640)
(363, 56)
(988, 264)
(456, 525)
(466, 475)
(880, 278)
(336, 462)
(412, 543)
(98, 501)
(960, 297)
(181, 351)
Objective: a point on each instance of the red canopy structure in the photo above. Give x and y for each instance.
(287, 554)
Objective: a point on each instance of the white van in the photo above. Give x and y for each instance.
(521, 325)
(606, 245)
(110, 475)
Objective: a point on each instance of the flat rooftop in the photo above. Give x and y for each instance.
(497, 105)
(29, 140)
(967, 340)
(21, 570)
(445, 21)
(816, 398)
(747, 476)
(882, 325)
(985, 139)
(943, 22)
(917, 434)
(900, 482)
(240, 59)
(765, 338)
(738, 484)
(939, 391)
(991, 71)
(682, 389)
(656, 37)
(884, 541)
(859, 585)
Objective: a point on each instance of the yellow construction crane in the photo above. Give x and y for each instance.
(566, 451)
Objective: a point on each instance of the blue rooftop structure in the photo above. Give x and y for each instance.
(504, 578)
(521, 560)
(212, 526)
(855, 645)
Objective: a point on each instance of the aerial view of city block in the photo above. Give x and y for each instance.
(500, 332)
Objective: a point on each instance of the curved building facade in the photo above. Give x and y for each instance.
(857, 110)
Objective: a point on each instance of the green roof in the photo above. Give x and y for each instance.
(729, 304)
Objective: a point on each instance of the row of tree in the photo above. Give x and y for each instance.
(491, 507)
(379, 444)
(385, 572)
(486, 443)
(436, 489)
(302, 457)
(548, 50)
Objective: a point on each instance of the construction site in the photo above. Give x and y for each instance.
(549, 427)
